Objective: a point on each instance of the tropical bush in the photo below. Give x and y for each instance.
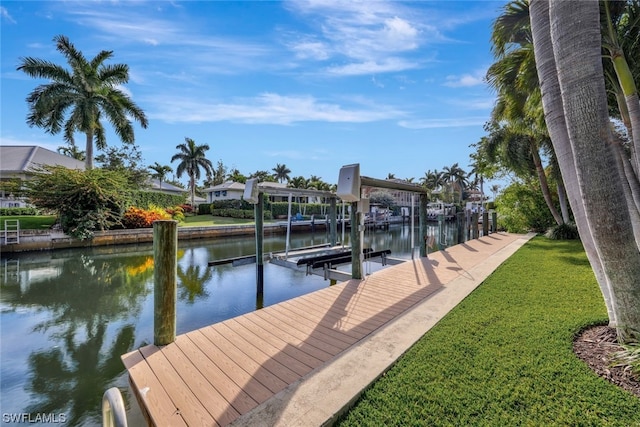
(204, 209)
(18, 211)
(563, 232)
(281, 208)
(143, 218)
(149, 198)
(521, 208)
(239, 213)
(177, 213)
(86, 200)
(629, 357)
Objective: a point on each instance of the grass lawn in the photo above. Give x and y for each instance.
(31, 222)
(503, 357)
(209, 220)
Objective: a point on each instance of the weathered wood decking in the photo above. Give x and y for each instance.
(213, 375)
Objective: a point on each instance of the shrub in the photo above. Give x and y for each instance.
(281, 208)
(141, 218)
(148, 198)
(521, 208)
(176, 213)
(204, 209)
(239, 213)
(567, 231)
(18, 211)
(86, 200)
(630, 357)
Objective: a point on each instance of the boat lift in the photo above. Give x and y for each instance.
(350, 184)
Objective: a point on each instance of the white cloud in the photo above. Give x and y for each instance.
(172, 41)
(371, 67)
(268, 108)
(442, 123)
(368, 37)
(4, 13)
(466, 80)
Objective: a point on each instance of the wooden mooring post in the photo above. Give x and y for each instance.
(423, 226)
(165, 265)
(356, 244)
(333, 222)
(475, 233)
(486, 227)
(259, 214)
(460, 226)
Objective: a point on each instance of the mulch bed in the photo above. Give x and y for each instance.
(596, 346)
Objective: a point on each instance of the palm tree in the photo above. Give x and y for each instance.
(161, 172)
(192, 158)
(432, 180)
(571, 75)
(236, 176)
(72, 151)
(281, 172)
(494, 189)
(455, 176)
(299, 182)
(90, 91)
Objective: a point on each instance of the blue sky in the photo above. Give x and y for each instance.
(395, 86)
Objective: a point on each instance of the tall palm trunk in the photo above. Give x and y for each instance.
(554, 118)
(576, 46)
(544, 185)
(562, 199)
(88, 161)
(627, 84)
(192, 185)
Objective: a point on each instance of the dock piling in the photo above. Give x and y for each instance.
(259, 214)
(165, 250)
(423, 227)
(356, 244)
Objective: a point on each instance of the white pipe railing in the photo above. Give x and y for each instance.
(114, 413)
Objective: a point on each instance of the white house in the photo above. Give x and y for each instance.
(235, 190)
(226, 191)
(19, 161)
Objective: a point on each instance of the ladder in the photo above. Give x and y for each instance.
(11, 231)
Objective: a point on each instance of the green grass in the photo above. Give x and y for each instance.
(31, 222)
(503, 357)
(209, 220)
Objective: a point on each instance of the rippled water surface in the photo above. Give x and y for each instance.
(67, 316)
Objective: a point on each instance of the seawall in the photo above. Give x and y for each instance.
(34, 240)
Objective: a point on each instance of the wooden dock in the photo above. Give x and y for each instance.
(214, 375)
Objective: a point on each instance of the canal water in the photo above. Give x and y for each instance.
(67, 316)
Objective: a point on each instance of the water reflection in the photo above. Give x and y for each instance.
(67, 316)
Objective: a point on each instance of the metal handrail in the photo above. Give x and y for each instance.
(114, 413)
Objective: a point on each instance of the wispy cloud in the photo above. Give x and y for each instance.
(268, 108)
(367, 37)
(172, 41)
(466, 80)
(442, 123)
(6, 17)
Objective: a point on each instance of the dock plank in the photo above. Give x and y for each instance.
(213, 375)
(187, 404)
(153, 398)
(242, 368)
